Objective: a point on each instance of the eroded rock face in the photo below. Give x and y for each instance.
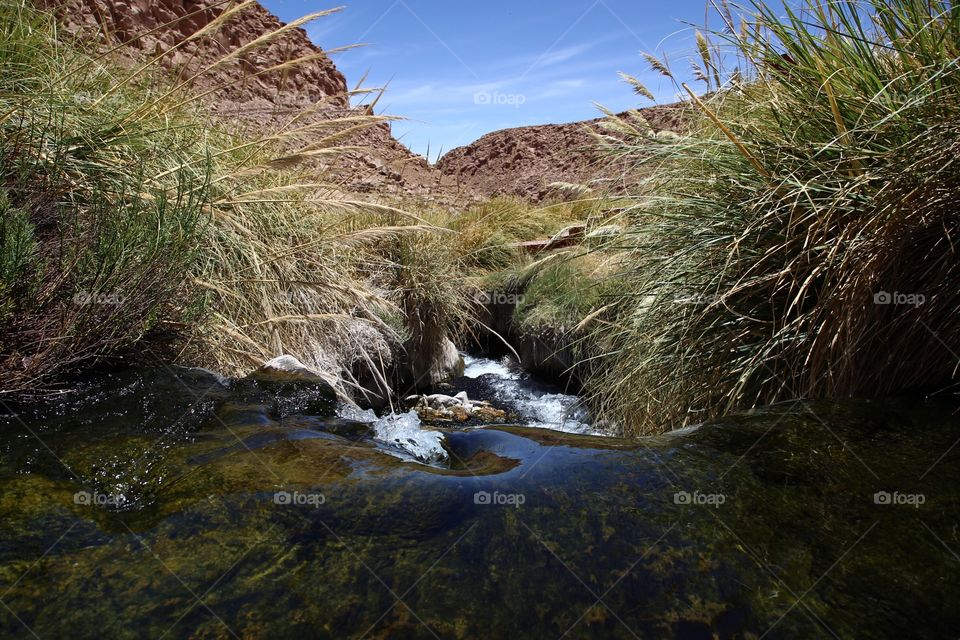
(243, 94)
(524, 161)
(131, 21)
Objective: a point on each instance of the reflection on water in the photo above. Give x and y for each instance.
(230, 519)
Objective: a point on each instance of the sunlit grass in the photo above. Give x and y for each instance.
(818, 174)
(129, 212)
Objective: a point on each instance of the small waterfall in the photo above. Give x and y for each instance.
(539, 404)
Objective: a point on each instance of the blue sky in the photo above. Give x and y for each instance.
(459, 68)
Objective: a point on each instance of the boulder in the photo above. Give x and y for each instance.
(288, 387)
(448, 364)
(440, 407)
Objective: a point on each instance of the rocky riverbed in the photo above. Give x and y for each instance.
(174, 503)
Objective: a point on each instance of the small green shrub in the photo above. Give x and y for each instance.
(17, 255)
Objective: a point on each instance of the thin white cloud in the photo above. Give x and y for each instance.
(561, 55)
(561, 88)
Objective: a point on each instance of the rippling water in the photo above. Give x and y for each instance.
(539, 404)
(170, 504)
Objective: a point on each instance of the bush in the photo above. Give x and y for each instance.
(818, 184)
(100, 222)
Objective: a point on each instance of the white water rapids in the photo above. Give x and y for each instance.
(539, 406)
(534, 403)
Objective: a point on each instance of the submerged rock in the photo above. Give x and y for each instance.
(404, 431)
(289, 388)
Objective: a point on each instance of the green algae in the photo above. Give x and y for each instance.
(251, 524)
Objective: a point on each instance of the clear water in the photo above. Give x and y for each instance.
(165, 504)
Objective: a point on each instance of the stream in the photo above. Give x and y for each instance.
(171, 503)
(538, 404)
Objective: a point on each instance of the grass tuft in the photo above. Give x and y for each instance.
(800, 240)
(128, 212)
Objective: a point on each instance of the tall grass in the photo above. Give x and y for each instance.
(561, 291)
(818, 183)
(100, 222)
(485, 233)
(434, 268)
(128, 211)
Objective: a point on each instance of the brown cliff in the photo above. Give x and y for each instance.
(245, 92)
(241, 91)
(524, 161)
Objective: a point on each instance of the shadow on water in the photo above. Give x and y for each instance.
(147, 508)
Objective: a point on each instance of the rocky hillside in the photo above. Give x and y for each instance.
(151, 27)
(261, 90)
(245, 90)
(525, 161)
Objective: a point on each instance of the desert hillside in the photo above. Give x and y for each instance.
(524, 161)
(262, 88)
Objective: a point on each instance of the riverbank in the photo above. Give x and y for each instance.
(193, 240)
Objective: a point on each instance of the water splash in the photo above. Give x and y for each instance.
(540, 406)
(404, 432)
